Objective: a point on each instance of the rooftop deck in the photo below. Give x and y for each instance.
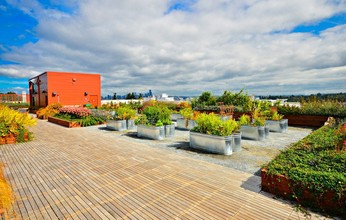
(84, 174)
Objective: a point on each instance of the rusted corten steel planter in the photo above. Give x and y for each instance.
(65, 123)
(306, 120)
(281, 185)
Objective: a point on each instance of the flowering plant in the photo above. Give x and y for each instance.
(78, 112)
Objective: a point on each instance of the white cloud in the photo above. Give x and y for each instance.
(216, 45)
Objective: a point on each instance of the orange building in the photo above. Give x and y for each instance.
(65, 88)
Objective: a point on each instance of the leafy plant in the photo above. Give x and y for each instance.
(244, 120)
(14, 122)
(141, 120)
(50, 110)
(241, 100)
(125, 113)
(212, 124)
(276, 116)
(158, 113)
(204, 100)
(187, 113)
(258, 118)
(322, 107)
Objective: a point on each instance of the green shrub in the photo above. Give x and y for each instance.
(205, 100)
(125, 113)
(50, 110)
(157, 115)
(241, 100)
(244, 120)
(323, 108)
(212, 124)
(187, 113)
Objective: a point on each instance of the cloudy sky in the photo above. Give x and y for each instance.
(181, 47)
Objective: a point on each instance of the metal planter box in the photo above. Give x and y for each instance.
(131, 124)
(185, 124)
(176, 116)
(116, 125)
(253, 132)
(169, 130)
(212, 143)
(277, 126)
(236, 138)
(266, 131)
(151, 132)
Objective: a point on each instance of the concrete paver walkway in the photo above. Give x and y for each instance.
(84, 174)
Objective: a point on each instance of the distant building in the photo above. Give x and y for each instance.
(164, 97)
(65, 88)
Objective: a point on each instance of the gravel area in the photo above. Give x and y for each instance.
(249, 159)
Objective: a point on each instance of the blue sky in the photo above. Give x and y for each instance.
(166, 47)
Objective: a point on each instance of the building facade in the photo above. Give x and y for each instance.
(65, 88)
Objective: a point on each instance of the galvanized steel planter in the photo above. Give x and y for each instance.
(277, 126)
(253, 132)
(116, 125)
(212, 143)
(152, 132)
(131, 124)
(175, 116)
(266, 131)
(236, 141)
(169, 130)
(185, 124)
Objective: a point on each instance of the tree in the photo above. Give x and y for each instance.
(130, 96)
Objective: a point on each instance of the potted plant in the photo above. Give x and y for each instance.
(121, 119)
(213, 135)
(254, 129)
(187, 122)
(276, 123)
(155, 123)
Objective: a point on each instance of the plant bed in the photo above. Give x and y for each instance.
(277, 126)
(214, 135)
(63, 122)
(306, 120)
(151, 132)
(312, 171)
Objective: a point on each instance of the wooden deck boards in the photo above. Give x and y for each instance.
(84, 174)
